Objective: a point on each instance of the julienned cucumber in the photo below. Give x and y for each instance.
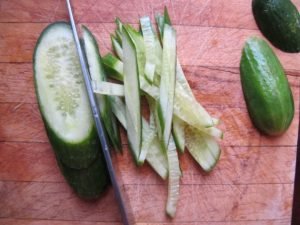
(279, 21)
(266, 89)
(89, 182)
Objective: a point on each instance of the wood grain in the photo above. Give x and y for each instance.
(214, 202)
(22, 122)
(35, 162)
(212, 86)
(52, 222)
(205, 46)
(64, 222)
(251, 185)
(48, 200)
(238, 165)
(217, 13)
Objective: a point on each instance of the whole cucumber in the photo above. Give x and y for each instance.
(266, 89)
(279, 21)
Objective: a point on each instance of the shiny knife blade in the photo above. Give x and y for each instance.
(96, 115)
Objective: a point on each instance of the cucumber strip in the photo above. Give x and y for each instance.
(116, 47)
(160, 24)
(155, 156)
(148, 134)
(113, 66)
(139, 46)
(62, 97)
(204, 148)
(167, 84)
(178, 133)
(189, 110)
(98, 76)
(174, 178)
(108, 88)
(153, 49)
(149, 71)
(118, 108)
(132, 94)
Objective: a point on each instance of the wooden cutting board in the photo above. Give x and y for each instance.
(253, 182)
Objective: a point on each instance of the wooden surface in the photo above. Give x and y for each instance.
(253, 182)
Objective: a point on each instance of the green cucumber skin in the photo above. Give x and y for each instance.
(88, 183)
(266, 89)
(74, 155)
(279, 21)
(109, 120)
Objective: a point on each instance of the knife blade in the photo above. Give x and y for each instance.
(96, 116)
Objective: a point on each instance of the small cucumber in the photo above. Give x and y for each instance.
(279, 21)
(266, 89)
(62, 97)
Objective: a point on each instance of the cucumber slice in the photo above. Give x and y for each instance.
(167, 84)
(178, 133)
(155, 155)
(118, 108)
(62, 97)
(174, 178)
(107, 88)
(113, 67)
(153, 49)
(204, 148)
(89, 182)
(132, 94)
(117, 47)
(98, 76)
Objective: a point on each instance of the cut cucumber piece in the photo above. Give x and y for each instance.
(108, 88)
(178, 133)
(118, 108)
(167, 84)
(155, 155)
(116, 46)
(153, 49)
(98, 77)
(204, 148)
(132, 94)
(174, 178)
(62, 97)
(89, 182)
(113, 67)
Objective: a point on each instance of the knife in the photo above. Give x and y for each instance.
(96, 115)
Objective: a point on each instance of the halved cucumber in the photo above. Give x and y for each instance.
(62, 97)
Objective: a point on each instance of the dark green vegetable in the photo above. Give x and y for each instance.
(279, 21)
(266, 89)
(88, 183)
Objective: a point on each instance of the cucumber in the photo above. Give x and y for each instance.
(132, 93)
(279, 21)
(266, 89)
(98, 77)
(88, 183)
(62, 97)
(167, 85)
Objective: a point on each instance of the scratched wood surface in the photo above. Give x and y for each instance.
(253, 182)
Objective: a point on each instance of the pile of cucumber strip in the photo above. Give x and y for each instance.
(148, 67)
